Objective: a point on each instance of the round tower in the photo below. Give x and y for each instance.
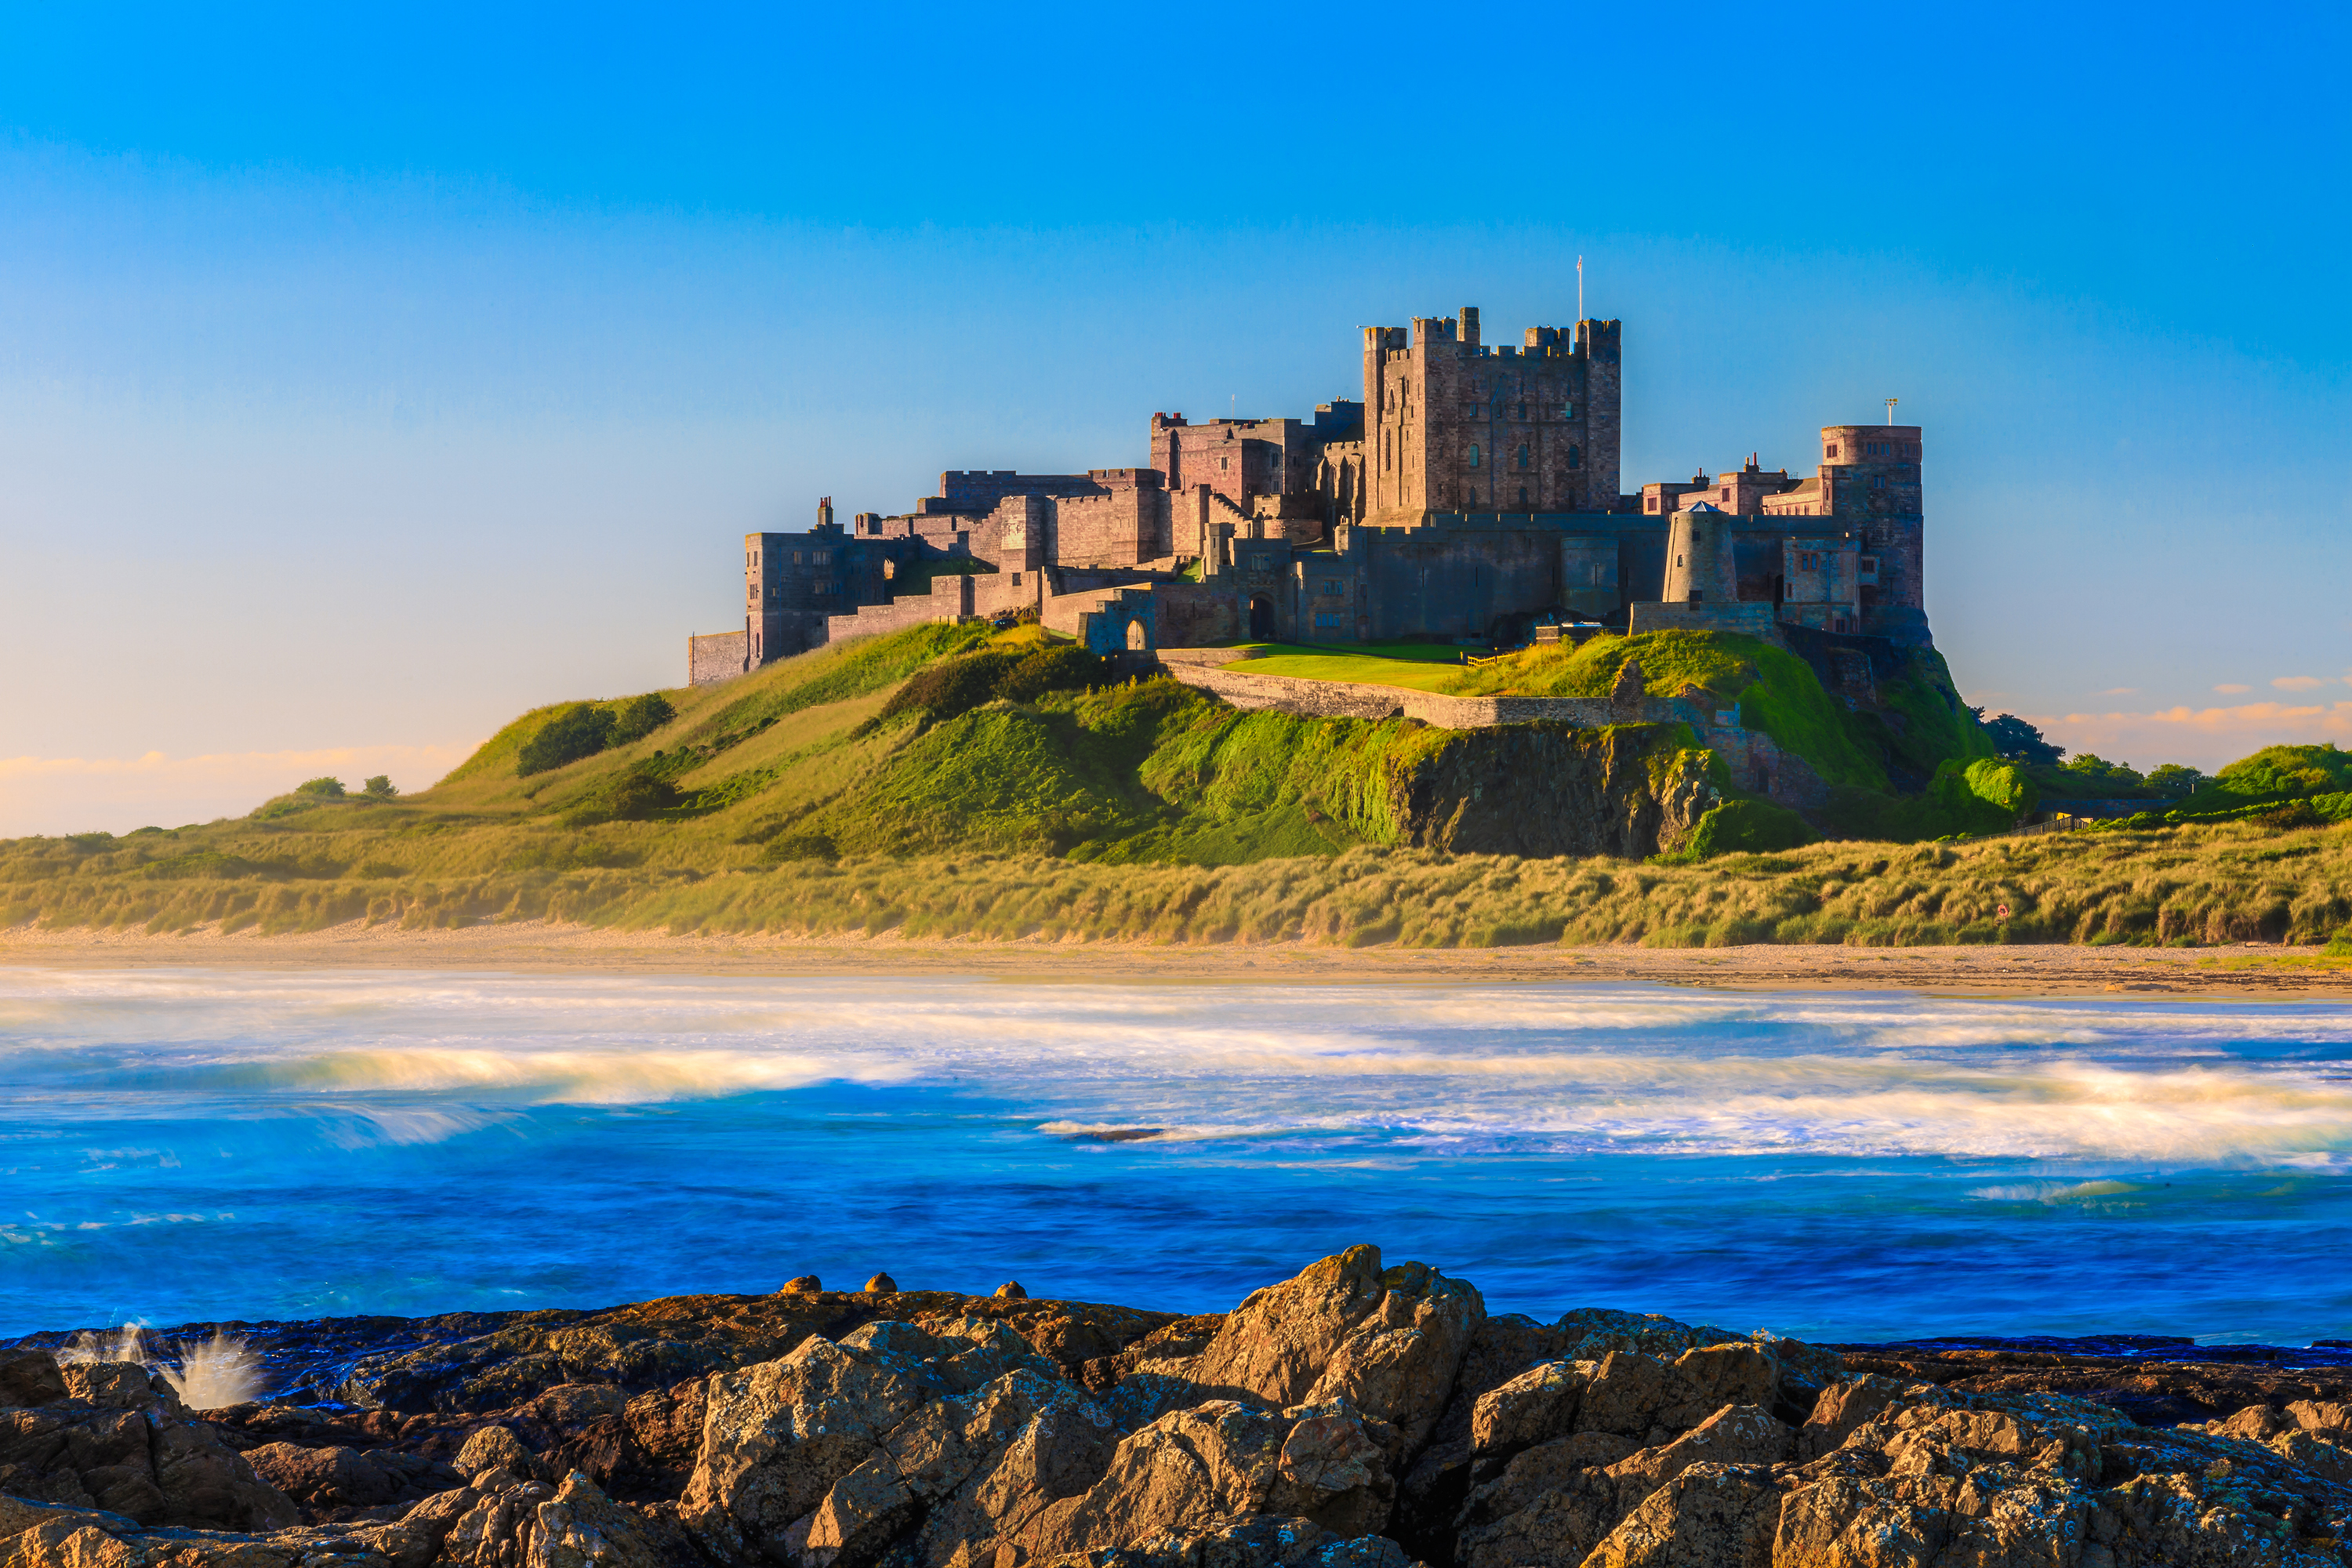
(1699, 567)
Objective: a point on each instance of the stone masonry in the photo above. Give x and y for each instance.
(1470, 495)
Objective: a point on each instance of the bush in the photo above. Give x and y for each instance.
(324, 787)
(2288, 770)
(792, 846)
(2175, 781)
(1746, 826)
(379, 787)
(640, 717)
(636, 795)
(579, 731)
(957, 686)
(1986, 796)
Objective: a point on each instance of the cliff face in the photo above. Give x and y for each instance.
(1354, 1416)
(1548, 789)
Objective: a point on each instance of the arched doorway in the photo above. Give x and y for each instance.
(1261, 620)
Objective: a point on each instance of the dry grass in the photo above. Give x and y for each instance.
(2198, 885)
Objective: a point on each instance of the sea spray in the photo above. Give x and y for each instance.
(209, 1374)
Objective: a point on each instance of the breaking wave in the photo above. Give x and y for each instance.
(367, 1140)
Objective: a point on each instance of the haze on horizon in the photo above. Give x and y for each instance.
(365, 380)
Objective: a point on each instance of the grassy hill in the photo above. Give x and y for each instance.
(948, 781)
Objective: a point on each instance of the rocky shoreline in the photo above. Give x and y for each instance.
(1353, 1417)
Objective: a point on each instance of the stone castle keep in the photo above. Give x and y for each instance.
(1474, 492)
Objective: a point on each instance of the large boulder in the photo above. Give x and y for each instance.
(1387, 1342)
(777, 1437)
(1195, 1470)
(112, 1437)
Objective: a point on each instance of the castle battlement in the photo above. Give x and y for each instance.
(1471, 492)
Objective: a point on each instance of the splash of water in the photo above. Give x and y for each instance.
(211, 1375)
(218, 1372)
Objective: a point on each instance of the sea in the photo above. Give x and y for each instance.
(198, 1144)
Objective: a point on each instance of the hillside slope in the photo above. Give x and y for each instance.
(948, 781)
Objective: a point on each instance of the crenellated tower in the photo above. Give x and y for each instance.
(1452, 425)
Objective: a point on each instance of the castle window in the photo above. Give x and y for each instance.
(1523, 411)
(1224, 463)
(1575, 457)
(1523, 457)
(822, 557)
(1726, 492)
(1325, 621)
(1523, 495)
(1832, 451)
(1473, 454)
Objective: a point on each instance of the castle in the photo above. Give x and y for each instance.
(1472, 493)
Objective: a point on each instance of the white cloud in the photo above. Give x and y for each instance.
(2298, 683)
(2233, 691)
(2202, 737)
(83, 794)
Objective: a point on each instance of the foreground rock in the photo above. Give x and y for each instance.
(1356, 1415)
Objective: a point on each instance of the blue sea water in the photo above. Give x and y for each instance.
(195, 1145)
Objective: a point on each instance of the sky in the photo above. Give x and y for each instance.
(371, 375)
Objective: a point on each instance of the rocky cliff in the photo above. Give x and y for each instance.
(1355, 1416)
(1544, 788)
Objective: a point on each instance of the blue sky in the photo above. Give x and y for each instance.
(368, 376)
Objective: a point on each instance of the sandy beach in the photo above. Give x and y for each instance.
(2250, 969)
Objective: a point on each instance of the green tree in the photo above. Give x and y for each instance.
(324, 787)
(2176, 781)
(583, 730)
(2116, 776)
(2020, 742)
(640, 717)
(379, 787)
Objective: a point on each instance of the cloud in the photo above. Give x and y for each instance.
(2233, 691)
(2298, 683)
(2116, 691)
(82, 795)
(2202, 737)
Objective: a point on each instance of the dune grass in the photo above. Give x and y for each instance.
(1137, 811)
(2233, 882)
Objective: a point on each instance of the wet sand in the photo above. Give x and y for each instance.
(2251, 970)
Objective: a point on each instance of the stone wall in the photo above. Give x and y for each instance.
(950, 599)
(721, 656)
(1753, 620)
(1127, 523)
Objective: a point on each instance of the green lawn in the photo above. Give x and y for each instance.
(1420, 666)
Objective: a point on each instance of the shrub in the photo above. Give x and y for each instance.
(2288, 770)
(1746, 826)
(957, 686)
(640, 717)
(582, 730)
(636, 795)
(792, 846)
(324, 787)
(2175, 781)
(379, 787)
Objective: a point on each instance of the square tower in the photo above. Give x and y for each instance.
(1453, 425)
